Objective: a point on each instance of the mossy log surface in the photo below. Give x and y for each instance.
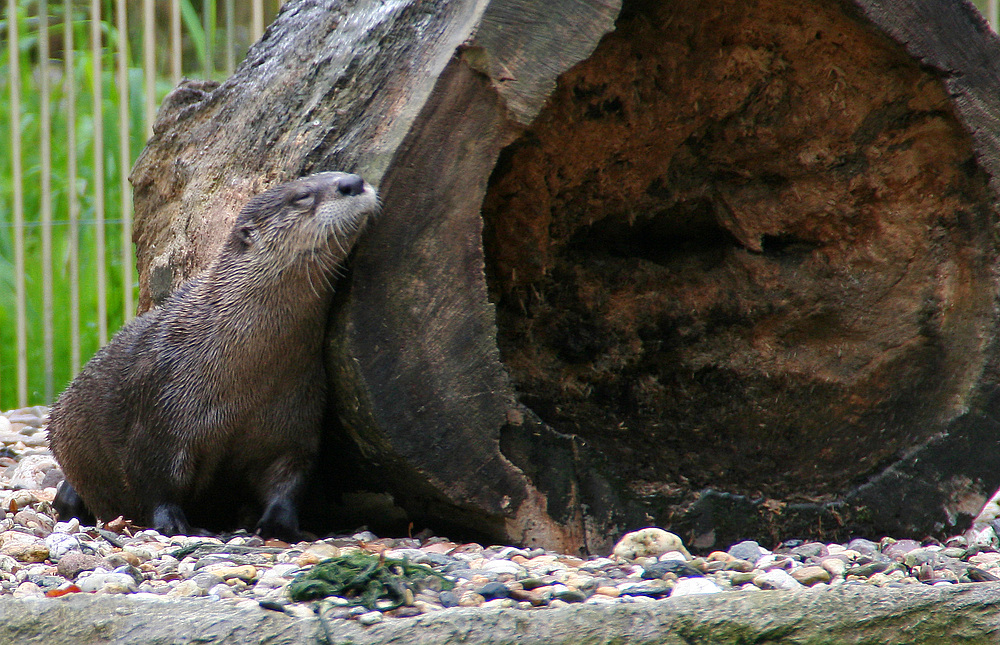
(725, 267)
(915, 615)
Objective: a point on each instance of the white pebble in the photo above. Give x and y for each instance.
(502, 566)
(72, 526)
(59, 544)
(694, 586)
(370, 618)
(107, 582)
(776, 579)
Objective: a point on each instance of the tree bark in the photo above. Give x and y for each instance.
(729, 268)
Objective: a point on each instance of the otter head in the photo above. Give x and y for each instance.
(309, 221)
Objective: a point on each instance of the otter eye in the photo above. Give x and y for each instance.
(303, 199)
(246, 234)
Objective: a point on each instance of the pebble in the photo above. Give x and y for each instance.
(61, 544)
(39, 555)
(747, 550)
(776, 579)
(810, 575)
(648, 542)
(694, 586)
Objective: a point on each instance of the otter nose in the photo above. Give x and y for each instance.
(351, 185)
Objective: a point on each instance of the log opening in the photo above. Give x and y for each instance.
(746, 246)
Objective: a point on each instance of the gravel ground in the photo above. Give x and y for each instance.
(42, 557)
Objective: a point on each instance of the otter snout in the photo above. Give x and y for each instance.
(351, 185)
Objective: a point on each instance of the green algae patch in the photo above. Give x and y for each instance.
(364, 579)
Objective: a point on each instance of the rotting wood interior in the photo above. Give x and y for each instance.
(742, 248)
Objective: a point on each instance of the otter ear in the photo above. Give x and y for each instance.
(246, 234)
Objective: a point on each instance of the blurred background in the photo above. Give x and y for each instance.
(81, 82)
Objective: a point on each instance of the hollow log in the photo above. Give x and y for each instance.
(724, 267)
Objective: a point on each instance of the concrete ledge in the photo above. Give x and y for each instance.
(848, 614)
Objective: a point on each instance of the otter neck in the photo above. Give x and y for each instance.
(281, 311)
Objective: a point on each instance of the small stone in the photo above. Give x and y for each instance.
(448, 599)
(862, 545)
(498, 603)
(531, 597)
(222, 590)
(72, 526)
(956, 552)
(493, 590)
(60, 544)
(426, 607)
(743, 577)
(370, 618)
(73, 563)
(567, 594)
(611, 592)
(23, 547)
(206, 580)
(835, 566)
(17, 499)
(30, 471)
(300, 611)
(247, 572)
(898, 549)
(917, 557)
(776, 579)
(107, 583)
(28, 590)
(694, 586)
(317, 553)
(186, 589)
(739, 565)
(502, 566)
(774, 561)
(810, 550)
(660, 569)
(946, 575)
(867, 570)
(130, 558)
(37, 523)
(811, 575)
(597, 599)
(139, 553)
(649, 542)
(747, 550)
(8, 564)
(470, 599)
(130, 571)
(653, 588)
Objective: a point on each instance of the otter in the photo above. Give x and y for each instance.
(221, 388)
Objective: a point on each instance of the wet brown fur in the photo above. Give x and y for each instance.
(222, 388)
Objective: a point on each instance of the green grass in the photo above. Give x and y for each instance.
(200, 34)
